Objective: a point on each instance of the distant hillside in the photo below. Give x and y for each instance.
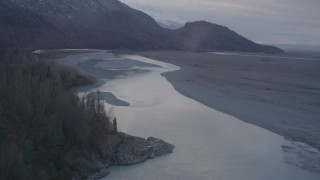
(109, 24)
(83, 24)
(208, 36)
(21, 27)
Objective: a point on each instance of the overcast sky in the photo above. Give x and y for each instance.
(264, 21)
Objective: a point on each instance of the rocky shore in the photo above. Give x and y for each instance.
(118, 150)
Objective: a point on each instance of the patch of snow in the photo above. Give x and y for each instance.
(169, 24)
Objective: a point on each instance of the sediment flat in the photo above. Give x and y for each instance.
(278, 93)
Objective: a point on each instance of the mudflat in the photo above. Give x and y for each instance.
(280, 93)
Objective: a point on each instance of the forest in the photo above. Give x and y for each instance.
(42, 123)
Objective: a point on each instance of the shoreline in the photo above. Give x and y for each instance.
(182, 81)
(119, 149)
(247, 96)
(286, 106)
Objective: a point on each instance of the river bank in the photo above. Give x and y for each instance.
(280, 94)
(209, 144)
(117, 150)
(108, 148)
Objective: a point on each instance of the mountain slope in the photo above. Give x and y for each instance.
(21, 27)
(110, 24)
(208, 36)
(90, 23)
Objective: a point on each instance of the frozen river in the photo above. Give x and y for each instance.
(209, 144)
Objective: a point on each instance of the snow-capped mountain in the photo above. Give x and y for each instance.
(169, 24)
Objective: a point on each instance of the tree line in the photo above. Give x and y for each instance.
(41, 121)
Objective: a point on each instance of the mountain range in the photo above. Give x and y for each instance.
(108, 24)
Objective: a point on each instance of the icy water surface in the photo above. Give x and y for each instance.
(209, 144)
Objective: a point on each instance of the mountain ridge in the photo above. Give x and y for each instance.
(198, 34)
(111, 24)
